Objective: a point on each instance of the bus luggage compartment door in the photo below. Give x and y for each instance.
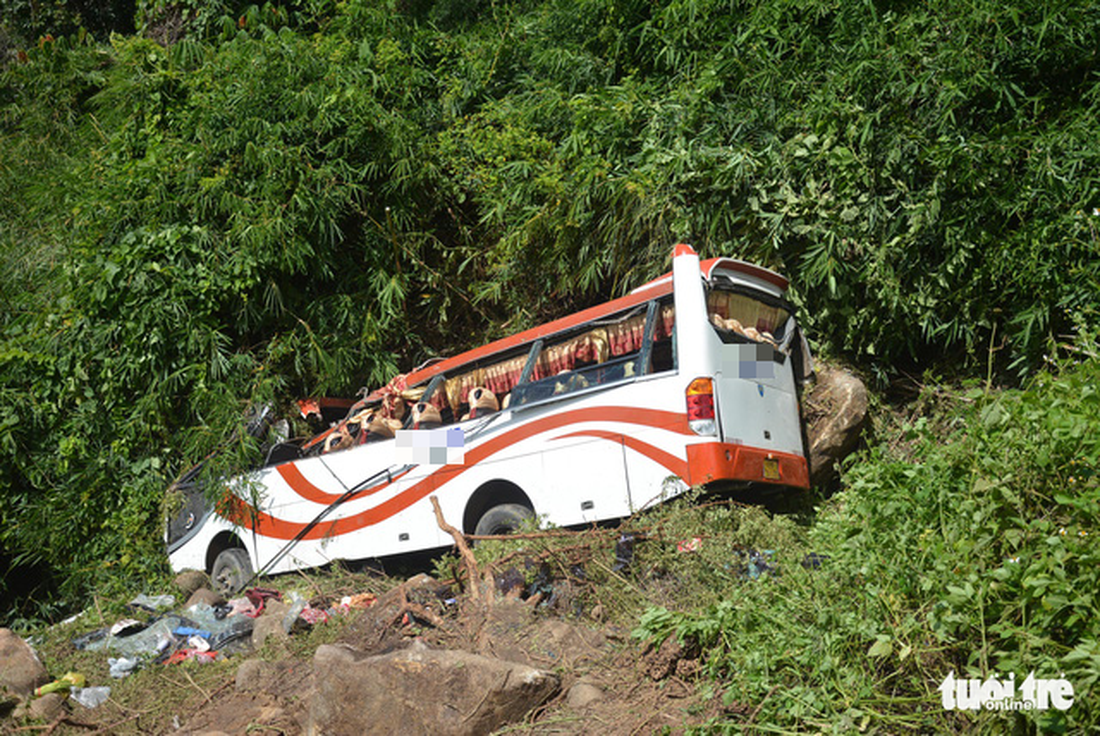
(585, 478)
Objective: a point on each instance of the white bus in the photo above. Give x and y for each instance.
(692, 379)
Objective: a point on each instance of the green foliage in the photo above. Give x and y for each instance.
(964, 541)
(26, 21)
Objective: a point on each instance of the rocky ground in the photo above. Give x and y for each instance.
(417, 660)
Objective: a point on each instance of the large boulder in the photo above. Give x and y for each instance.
(421, 691)
(20, 670)
(836, 410)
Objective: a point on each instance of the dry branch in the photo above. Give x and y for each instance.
(473, 575)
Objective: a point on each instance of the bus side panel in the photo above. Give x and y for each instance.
(410, 525)
(585, 478)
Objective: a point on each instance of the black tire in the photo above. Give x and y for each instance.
(232, 570)
(504, 518)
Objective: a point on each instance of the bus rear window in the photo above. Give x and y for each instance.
(737, 316)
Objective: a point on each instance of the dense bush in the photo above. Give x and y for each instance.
(964, 541)
(260, 200)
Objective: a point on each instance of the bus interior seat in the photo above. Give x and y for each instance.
(425, 416)
(482, 402)
(378, 428)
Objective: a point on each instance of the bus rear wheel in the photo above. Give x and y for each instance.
(232, 569)
(504, 518)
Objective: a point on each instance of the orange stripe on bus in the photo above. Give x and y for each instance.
(300, 485)
(666, 459)
(304, 488)
(280, 529)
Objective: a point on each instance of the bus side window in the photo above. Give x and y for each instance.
(607, 352)
(662, 355)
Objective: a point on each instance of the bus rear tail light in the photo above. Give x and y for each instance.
(700, 406)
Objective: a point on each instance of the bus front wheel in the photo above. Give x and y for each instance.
(504, 518)
(232, 569)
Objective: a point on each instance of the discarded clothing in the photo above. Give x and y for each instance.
(509, 580)
(122, 666)
(182, 655)
(360, 600)
(314, 615)
(240, 606)
(257, 596)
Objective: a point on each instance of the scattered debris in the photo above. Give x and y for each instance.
(624, 552)
(90, 697)
(152, 604)
(122, 666)
(61, 684)
(126, 627)
(182, 655)
(752, 563)
(690, 545)
(814, 561)
(497, 630)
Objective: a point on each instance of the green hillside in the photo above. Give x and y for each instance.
(205, 205)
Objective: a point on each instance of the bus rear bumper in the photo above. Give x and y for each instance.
(711, 462)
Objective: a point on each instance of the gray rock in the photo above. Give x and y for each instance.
(274, 678)
(421, 691)
(267, 628)
(204, 596)
(252, 674)
(582, 694)
(20, 670)
(46, 708)
(270, 623)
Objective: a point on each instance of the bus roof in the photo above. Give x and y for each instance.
(528, 336)
(658, 287)
(710, 265)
